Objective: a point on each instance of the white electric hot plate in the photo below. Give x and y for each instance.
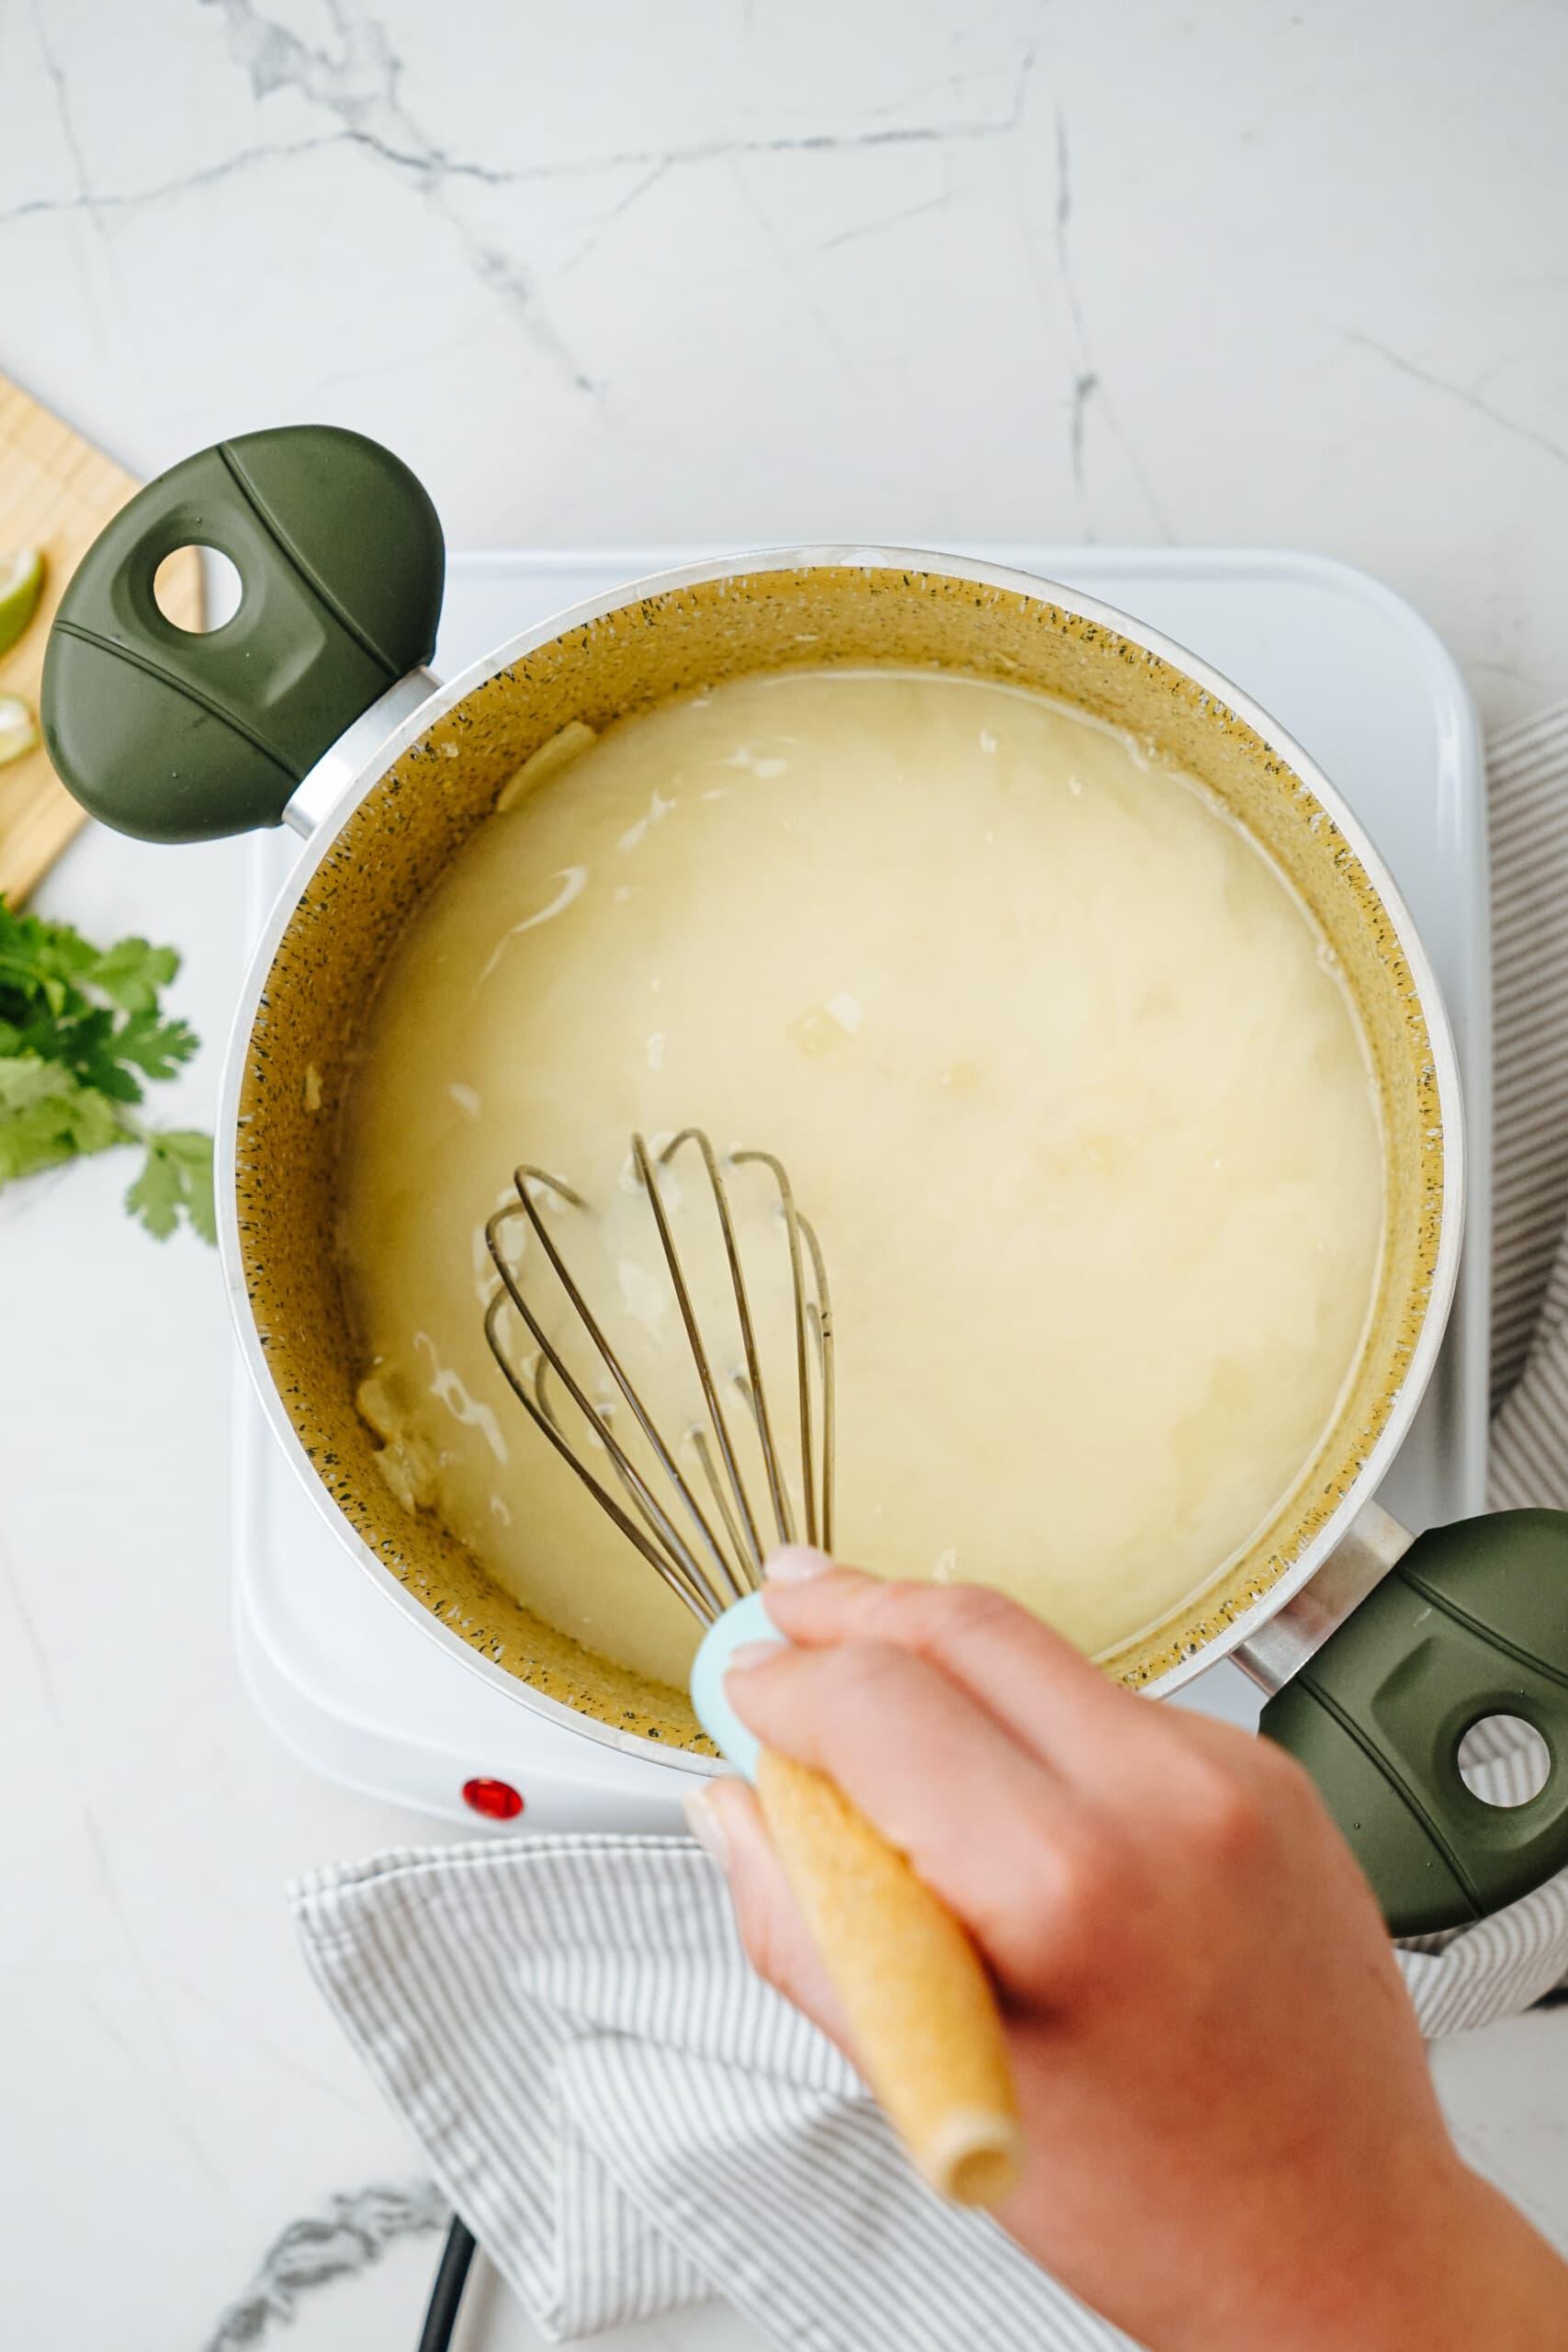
(357, 1690)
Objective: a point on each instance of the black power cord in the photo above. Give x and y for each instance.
(451, 2277)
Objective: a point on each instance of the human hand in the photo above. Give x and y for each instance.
(1233, 2143)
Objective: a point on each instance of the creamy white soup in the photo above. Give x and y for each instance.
(1067, 1081)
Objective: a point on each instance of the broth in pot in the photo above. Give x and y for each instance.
(1065, 1077)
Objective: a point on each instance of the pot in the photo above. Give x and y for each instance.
(313, 707)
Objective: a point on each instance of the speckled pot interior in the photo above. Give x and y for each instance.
(394, 846)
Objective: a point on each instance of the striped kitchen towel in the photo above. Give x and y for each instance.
(630, 2119)
(1527, 770)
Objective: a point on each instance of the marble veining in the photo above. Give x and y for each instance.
(749, 271)
(742, 271)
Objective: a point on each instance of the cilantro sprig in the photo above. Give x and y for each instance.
(82, 1034)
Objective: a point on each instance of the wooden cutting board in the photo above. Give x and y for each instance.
(56, 492)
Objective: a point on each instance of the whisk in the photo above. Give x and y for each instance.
(708, 1566)
(920, 2005)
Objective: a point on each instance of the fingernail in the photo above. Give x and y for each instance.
(747, 1654)
(703, 1821)
(794, 1564)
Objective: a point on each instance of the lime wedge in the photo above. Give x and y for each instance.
(21, 582)
(18, 728)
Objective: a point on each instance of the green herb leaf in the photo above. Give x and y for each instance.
(47, 1115)
(175, 1181)
(39, 958)
(157, 1047)
(83, 1044)
(82, 1034)
(131, 974)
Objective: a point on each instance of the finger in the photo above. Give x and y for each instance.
(726, 1821)
(1035, 1684)
(989, 1829)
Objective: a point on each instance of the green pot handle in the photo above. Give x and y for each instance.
(1472, 1622)
(180, 737)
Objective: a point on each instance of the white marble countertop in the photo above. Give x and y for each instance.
(726, 269)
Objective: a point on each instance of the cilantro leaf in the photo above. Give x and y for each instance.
(85, 1045)
(39, 958)
(47, 1115)
(154, 1046)
(82, 1034)
(131, 974)
(175, 1181)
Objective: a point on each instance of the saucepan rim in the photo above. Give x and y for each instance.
(751, 563)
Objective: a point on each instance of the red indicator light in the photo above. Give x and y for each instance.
(497, 1799)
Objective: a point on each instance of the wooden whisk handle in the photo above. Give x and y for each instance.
(920, 2005)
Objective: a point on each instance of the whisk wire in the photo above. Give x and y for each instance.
(544, 1422)
(782, 1516)
(794, 1226)
(823, 1323)
(751, 1548)
(707, 1570)
(703, 1453)
(526, 1207)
